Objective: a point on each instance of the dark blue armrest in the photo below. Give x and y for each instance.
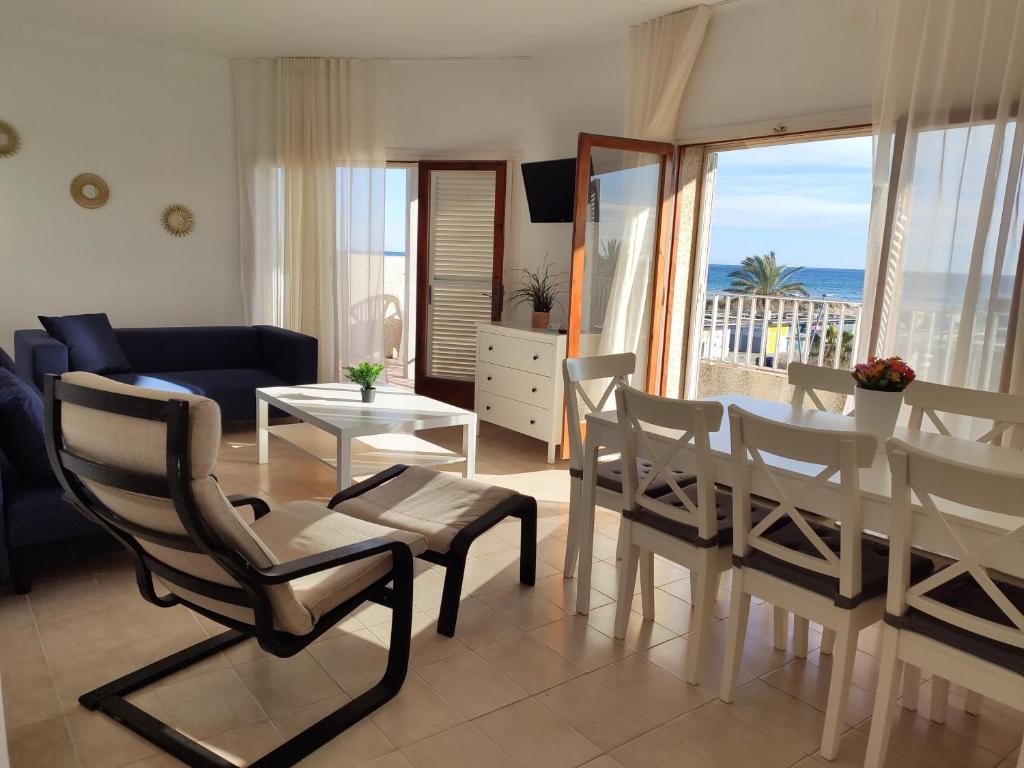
(36, 354)
(288, 355)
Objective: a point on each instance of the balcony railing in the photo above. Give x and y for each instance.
(771, 331)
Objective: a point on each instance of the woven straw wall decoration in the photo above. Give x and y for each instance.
(177, 219)
(89, 190)
(10, 141)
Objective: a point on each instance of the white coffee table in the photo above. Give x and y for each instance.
(385, 426)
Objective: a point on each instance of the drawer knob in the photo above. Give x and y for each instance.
(533, 389)
(490, 348)
(536, 357)
(487, 407)
(533, 421)
(488, 378)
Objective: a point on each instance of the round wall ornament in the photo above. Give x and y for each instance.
(90, 190)
(177, 219)
(10, 140)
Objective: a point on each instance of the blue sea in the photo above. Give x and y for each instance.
(837, 284)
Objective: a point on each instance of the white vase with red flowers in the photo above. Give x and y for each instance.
(879, 395)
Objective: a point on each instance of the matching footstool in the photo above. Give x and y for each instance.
(450, 512)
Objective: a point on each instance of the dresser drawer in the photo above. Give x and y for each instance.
(512, 352)
(529, 419)
(523, 386)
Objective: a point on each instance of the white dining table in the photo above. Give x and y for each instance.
(974, 527)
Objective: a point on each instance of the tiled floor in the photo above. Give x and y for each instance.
(523, 683)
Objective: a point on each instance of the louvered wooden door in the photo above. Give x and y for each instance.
(461, 243)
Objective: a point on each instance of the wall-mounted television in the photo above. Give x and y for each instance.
(550, 189)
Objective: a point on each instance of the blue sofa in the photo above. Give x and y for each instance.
(225, 363)
(36, 522)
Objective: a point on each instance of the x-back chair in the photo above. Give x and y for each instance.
(690, 525)
(836, 578)
(583, 376)
(140, 463)
(967, 619)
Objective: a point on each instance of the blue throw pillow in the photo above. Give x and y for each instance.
(21, 429)
(91, 342)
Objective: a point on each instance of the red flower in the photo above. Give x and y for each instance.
(890, 374)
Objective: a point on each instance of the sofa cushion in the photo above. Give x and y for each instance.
(6, 361)
(38, 514)
(92, 345)
(158, 350)
(21, 430)
(234, 389)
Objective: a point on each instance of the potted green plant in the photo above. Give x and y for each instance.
(541, 292)
(365, 375)
(879, 394)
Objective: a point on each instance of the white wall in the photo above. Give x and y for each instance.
(157, 125)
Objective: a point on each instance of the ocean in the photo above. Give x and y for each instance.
(838, 284)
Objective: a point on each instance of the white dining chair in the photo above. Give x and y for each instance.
(690, 525)
(583, 378)
(1003, 417)
(966, 619)
(809, 382)
(834, 577)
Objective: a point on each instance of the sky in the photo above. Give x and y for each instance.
(395, 210)
(809, 202)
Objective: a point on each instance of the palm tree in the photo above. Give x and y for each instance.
(762, 276)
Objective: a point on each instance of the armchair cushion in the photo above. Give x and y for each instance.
(91, 342)
(21, 430)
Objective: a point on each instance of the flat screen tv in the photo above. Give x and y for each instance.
(550, 189)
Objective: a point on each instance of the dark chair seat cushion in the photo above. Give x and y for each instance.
(234, 389)
(38, 514)
(874, 562)
(609, 475)
(723, 512)
(965, 594)
(91, 342)
(21, 430)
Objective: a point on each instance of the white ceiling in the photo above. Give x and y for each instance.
(359, 28)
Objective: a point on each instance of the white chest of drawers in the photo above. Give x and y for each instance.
(519, 381)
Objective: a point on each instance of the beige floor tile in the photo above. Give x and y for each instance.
(391, 760)
(507, 561)
(604, 578)
(759, 655)
(604, 761)
(82, 672)
(355, 661)
(994, 730)
(661, 748)
(463, 746)
(597, 712)
(810, 682)
(933, 744)
(428, 645)
(583, 645)
(66, 597)
(529, 663)
(415, 713)
(523, 607)
(671, 656)
(356, 746)
(680, 589)
(785, 717)
(651, 689)
(209, 704)
(471, 684)
(282, 685)
(19, 646)
(15, 612)
(29, 694)
(479, 625)
(534, 738)
(640, 634)
(246, 744)
(103, 743)
(45, 744)
(482, 577)
(717, 732)
(562, 592)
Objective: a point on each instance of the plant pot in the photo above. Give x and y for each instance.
(368, 394)
(877, 412)
(540, 320)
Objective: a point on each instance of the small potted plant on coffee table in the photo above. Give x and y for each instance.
(540, 291)
(365, 375)
(879, 394)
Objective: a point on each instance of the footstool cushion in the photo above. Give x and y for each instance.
(435, 505)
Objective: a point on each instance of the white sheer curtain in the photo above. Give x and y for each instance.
(311, 160)
(947, 209)
(661, 57)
